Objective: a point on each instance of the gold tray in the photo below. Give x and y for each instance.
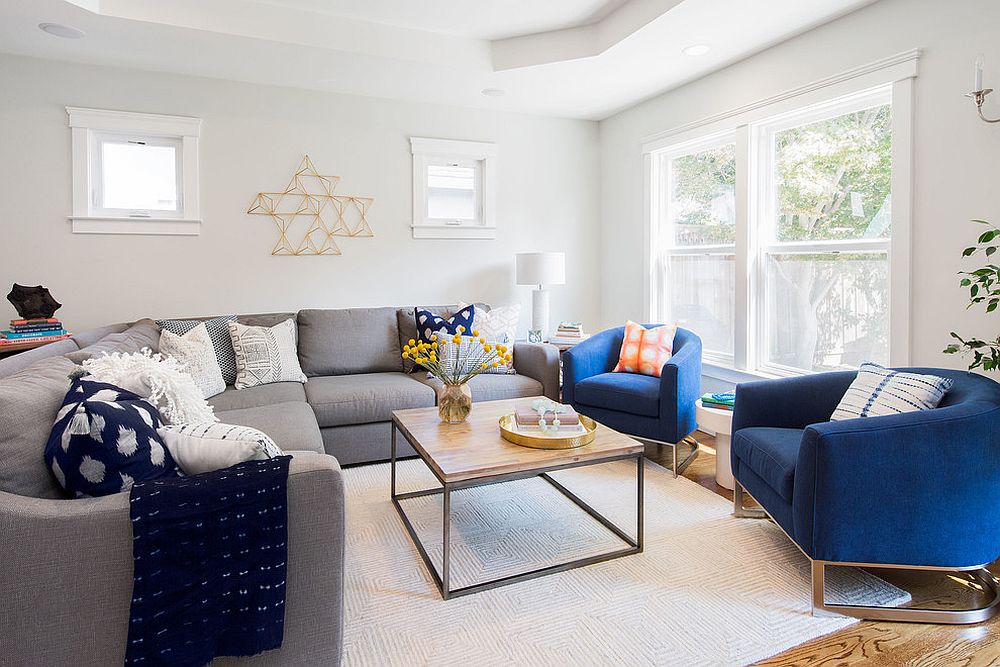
(508, 430)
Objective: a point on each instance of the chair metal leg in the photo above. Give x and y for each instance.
(981, 577)
(741, 512)
(678, 467)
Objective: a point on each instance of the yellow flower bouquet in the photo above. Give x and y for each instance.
(454, 360)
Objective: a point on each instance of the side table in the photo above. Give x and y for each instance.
(720, 421)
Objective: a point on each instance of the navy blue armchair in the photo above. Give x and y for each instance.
(660, 410)
(919, 490)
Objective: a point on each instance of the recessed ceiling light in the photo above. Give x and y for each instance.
(60, 30)
(697, 50)
(493, 92)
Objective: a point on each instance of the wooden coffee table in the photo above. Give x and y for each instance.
(473, 454)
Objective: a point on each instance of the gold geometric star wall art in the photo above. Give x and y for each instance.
(308, 214)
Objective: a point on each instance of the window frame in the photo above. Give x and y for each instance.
(447, 152)
(895, 73)
(90, 129)
(665, 243)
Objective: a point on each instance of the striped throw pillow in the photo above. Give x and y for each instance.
(881, 391)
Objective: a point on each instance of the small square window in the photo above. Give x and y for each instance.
(134, 173)
(453, 189)
(137, 176)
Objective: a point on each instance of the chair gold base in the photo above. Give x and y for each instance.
(979, 576)
(677, 467)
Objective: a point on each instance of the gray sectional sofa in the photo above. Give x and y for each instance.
(64, 564)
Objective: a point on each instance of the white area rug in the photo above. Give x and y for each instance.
(707, 590)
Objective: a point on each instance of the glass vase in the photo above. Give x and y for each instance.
(454, 402)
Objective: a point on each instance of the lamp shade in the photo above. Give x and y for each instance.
(541, 268)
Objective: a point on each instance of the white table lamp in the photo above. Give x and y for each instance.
(540, 269)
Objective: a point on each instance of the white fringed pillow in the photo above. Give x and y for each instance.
(162, 381)
(199, 448)
(196, 353)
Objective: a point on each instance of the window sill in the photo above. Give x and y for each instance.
(147, 226)
(437, 231)
(735, 376)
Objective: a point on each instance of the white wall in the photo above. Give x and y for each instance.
(956, 156)
(253, 137)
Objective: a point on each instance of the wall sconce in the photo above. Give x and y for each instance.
(979, 93)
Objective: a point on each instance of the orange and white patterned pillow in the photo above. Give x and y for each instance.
(645, 350)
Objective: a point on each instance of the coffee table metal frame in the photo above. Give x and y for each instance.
(443, 579)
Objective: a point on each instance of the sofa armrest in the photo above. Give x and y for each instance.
(598, 354)
(794, 402)
(920, 488)
(66, 560)
(680, 386)
(539, 361)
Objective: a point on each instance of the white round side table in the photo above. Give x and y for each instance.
(720, 421)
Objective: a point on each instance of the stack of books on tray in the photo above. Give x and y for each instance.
(568, 333)
(526, 417)
(32, 332)
(723, 401)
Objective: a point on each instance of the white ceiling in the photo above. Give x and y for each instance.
(572, 58)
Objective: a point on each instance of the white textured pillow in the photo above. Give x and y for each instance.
(199, 448)
(497, 324)
(195, 351)
(265, 354)
(161, 380)
(879, 391)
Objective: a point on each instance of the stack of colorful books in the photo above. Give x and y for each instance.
(27, 332)
(568, 333)
(723, 401)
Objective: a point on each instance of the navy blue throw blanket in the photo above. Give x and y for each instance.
(209, 554)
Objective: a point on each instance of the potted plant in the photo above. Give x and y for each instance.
(984, 289)
(454, 360)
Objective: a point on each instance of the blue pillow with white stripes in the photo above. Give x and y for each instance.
(879, 391)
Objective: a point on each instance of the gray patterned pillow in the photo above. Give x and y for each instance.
(218, 331)
(265, 354)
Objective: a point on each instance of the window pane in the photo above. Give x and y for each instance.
(139, 177)
(702, 205)
(827, 311)
(701, 290)
(451, 192)
(832, 177)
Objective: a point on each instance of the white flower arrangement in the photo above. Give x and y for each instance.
(161, 380)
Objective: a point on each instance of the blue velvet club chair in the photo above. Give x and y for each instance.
(660, 410)
(919, 490)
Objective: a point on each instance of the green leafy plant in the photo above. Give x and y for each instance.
(984, 289)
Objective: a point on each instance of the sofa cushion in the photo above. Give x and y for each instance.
(621, 392)
(487, 387)
(365, 398)
(771, 453)
(31, 399)
(143, 333)
(253, 397)
(91, 336)
(349, 341)
(292, 425)
(16, 362)
(264, 319)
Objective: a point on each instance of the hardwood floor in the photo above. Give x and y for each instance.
(876, 642)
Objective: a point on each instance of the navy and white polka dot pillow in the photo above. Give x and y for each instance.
(104, 439)
(428, 323)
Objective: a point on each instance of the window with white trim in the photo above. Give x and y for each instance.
(771, 239)
(454, 188)
(134, 173)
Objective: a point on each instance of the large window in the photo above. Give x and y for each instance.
(696, 265)
(772, 240)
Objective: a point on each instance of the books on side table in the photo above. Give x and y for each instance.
(568, 333)
(32, 332)
(719, 401)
